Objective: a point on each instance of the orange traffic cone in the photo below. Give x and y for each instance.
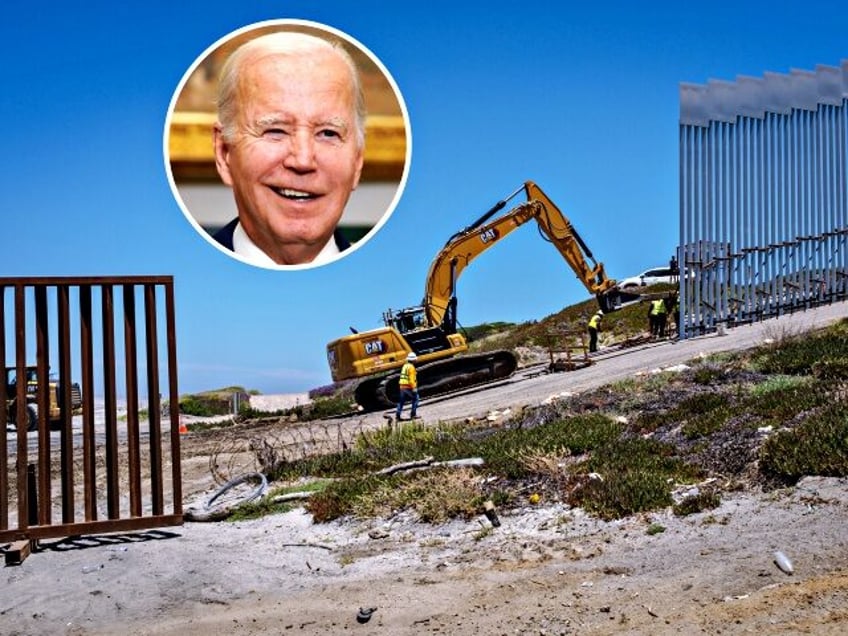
(183, 427)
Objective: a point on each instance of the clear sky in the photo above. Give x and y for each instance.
(580, 97)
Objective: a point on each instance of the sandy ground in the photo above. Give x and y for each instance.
(545, 570)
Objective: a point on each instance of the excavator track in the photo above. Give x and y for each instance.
(437, 378)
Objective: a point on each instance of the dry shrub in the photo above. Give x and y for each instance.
(544, 464)
(550, 467)
(435, 495)
(706, 499)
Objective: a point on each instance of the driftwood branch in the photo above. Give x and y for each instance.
(420, 463)
(293, 496)
(468, 461)
(429, 462)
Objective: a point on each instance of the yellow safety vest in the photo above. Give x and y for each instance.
(408, 377)
(658, 307)
(595, 321)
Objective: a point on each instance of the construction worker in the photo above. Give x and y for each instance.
(659, 314)
(408, 386)
(673, 305)
(594, 328)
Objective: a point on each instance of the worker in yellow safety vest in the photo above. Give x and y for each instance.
(674, 303)
(659, 315)
(408, 386)
(594, 328)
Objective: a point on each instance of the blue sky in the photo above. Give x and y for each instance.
(583, 100)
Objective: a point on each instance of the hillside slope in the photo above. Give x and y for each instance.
(566, 328)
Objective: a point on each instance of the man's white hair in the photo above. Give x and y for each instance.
(284, 42)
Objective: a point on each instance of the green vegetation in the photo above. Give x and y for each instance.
(770, 415)
(778, 384)
(700, 414)
(478, 332)
(627, 475)
(634, 475)
(781, 405)
(707, 374)
(202, 407)
(625, 323)
(705, 412)
(818, 445)
(210, 403)
(824, 355)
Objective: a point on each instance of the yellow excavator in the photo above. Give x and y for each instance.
(430, 329)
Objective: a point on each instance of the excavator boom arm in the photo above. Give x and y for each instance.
(468, 244)
(559, 231)
(463, 248)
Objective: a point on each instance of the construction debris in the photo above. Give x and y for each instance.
(17, 552)
(563, 395)
(491, 514)
(782, 561)
(219, 506)
(364, 614)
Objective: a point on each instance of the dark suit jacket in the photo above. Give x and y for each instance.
(225, 236)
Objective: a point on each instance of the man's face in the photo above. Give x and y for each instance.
(294, 158)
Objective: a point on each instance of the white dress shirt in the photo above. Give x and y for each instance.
(247, 249)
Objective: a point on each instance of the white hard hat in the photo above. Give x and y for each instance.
(600, 312)
(411, 356)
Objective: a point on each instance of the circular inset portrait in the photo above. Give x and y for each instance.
(287, 144)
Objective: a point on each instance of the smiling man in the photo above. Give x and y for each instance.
(289, 141)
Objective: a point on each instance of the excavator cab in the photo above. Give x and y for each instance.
(421, 337)
(406, 320)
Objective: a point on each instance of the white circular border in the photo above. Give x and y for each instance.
(287, 22)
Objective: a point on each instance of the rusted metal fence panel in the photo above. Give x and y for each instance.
(763, 209)
(86, 447)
